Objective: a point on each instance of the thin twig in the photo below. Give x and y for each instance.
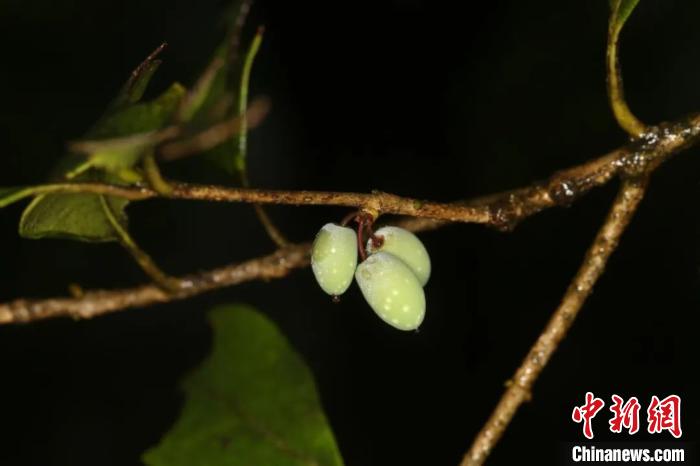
(215, 134)
(243, 98)
(147, 264)
(520, 386)
(270, 227)
(234, 35)
(624, 116)
(241, 157)
(193, 100)
(173, 150)
(154, 176)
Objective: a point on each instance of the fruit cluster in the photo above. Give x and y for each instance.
(391, 276)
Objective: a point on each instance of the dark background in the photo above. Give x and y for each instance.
(419, 98)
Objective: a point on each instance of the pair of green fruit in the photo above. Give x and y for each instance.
(391, 278)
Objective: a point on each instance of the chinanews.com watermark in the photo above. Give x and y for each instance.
(659, 418)
(617, 454)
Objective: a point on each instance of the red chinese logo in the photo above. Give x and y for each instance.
(587, 412)
(624, 415)
(661, 415)
(665, 415)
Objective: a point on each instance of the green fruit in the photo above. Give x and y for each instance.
(407, 247)
(334, 258)
(392, 290)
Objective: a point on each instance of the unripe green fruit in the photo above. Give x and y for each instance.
(392, 290)
(407, 247)
(334, 258)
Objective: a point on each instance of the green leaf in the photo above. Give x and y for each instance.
(224, 89)
(223, 84)
(223, 156)
(71, 216)
(81, 216)
(134, 89)
(137, 119)
(620, 11)
(251, 402)
(136, 85)
(140, 117)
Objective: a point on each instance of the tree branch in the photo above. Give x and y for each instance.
(520, 386)
(503, 210)
(99, 302)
